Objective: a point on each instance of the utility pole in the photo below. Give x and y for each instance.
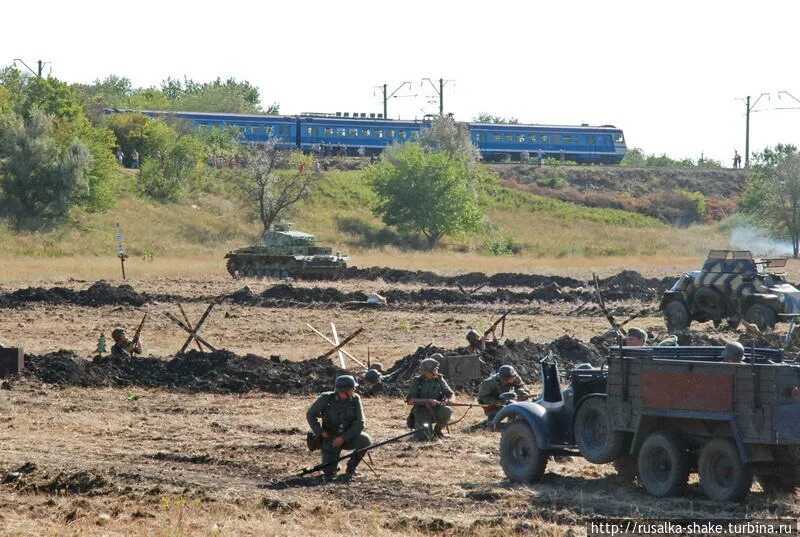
(439, 92)
(747, 135)
(40, 67)
(387, 97)
(748, 110)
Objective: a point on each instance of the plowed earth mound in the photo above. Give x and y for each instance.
(225, 372)
(624, 286)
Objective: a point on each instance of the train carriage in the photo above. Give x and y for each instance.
(495, 141)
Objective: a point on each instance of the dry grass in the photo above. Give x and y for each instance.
(451, 488)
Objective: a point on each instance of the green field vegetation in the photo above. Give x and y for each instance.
(214, 216)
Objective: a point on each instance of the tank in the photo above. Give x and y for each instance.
(286, 253)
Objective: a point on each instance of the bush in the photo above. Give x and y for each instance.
(503, 246)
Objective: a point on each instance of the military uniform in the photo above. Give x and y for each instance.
(435, 388)
(343, 418)
(119, 350)
(490, 389)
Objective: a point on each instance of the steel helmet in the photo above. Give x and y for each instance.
(344, 383)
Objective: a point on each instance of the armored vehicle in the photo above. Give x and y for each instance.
(732, 285)
(651, 413)
(286, 253)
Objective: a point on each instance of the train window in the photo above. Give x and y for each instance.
(568, 139)
(619, 139)
(366, 132)
(328, 131)
(414, 135)
(509, 137)
(390, 133)
(481, 136)
(531, 138)
(521, 138)
(379, 133)
(496, 137)
(254, 130)
(556, 139)
(352, 132)
(545, 139)
(341, 131)
(311, 131)
(591, 139)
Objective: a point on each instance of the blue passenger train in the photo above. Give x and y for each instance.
(496, 141)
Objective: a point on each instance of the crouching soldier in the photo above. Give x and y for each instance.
(429, 393)
(342, 424)
(505, 380)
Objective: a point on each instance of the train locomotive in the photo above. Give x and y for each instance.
(584, 144)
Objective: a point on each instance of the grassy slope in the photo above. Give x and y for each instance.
(207, 225)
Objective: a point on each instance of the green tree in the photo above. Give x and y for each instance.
(274, 180)
(167, 161)
(39, 179)
(772, 196)
(484, 117)
(450, 137)
(429, 192)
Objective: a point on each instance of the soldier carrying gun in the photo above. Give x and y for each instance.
(429, 394)
(489, 391)
(123, 347)
(337, 422)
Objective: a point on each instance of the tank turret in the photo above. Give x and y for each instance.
(285, 252)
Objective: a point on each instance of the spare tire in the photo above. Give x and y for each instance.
(595, 436)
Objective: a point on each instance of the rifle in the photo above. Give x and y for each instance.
(138, 334)
(491, 329)
(317, 468)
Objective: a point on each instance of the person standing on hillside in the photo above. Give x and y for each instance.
(737, 159)
(135, 159)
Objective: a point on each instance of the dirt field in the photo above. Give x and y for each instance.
(185, 458)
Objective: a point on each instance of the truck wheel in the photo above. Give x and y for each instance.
(760, 315)
(723, 475)
(663, 464)
(676, 316)
(594, 432)
(776, 485)
(520, 457)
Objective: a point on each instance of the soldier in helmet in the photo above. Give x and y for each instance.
(338, 418)
(733, 352)
(429, 393)
(123, 347)
(635, 337)
(505, 380)
(373, 382)
(476, 342)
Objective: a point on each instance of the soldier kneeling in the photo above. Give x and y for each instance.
(429, 393)
(342, 425)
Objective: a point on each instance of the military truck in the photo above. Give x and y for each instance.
(286, 253)
(663, 412)
(732, 285)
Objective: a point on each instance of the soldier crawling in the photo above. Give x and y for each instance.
(123, 347)
(505, 380)
(342, 425)
(429, 394)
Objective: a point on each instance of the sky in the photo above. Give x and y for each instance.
(672, 75)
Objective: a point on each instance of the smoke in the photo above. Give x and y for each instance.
(747, 238)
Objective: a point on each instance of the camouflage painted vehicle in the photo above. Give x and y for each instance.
(732, 285)
(286, 253)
